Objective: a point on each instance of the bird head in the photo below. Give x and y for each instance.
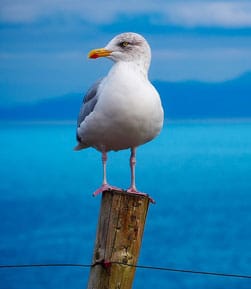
(125, 47)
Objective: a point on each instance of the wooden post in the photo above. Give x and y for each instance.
(118, 241)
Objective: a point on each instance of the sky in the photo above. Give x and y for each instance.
(44, 43)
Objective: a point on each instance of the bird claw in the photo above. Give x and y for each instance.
(105, 187)
(132, 190)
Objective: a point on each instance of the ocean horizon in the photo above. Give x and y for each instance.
(197, 170)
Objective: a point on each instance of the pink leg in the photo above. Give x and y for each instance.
(105, 186)
(132, 188)
(104, 161)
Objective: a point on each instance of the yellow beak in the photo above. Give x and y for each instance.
(100, 52)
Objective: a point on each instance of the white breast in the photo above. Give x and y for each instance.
(128, 112)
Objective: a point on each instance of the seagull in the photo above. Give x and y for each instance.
(122, 110)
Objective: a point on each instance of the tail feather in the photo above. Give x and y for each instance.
(80, 146)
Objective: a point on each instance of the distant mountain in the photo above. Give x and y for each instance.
(190, 99)
(65, 107)
(193, 99)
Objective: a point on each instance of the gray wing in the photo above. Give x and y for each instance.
(89, 102)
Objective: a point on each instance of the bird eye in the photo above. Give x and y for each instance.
(124, 44)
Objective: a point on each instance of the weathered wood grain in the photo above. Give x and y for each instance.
(118, 241)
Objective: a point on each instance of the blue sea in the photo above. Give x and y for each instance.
(198, 172)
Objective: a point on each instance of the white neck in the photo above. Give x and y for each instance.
(136, 66)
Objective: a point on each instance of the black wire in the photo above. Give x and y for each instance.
(189, 271)
(129, 265)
